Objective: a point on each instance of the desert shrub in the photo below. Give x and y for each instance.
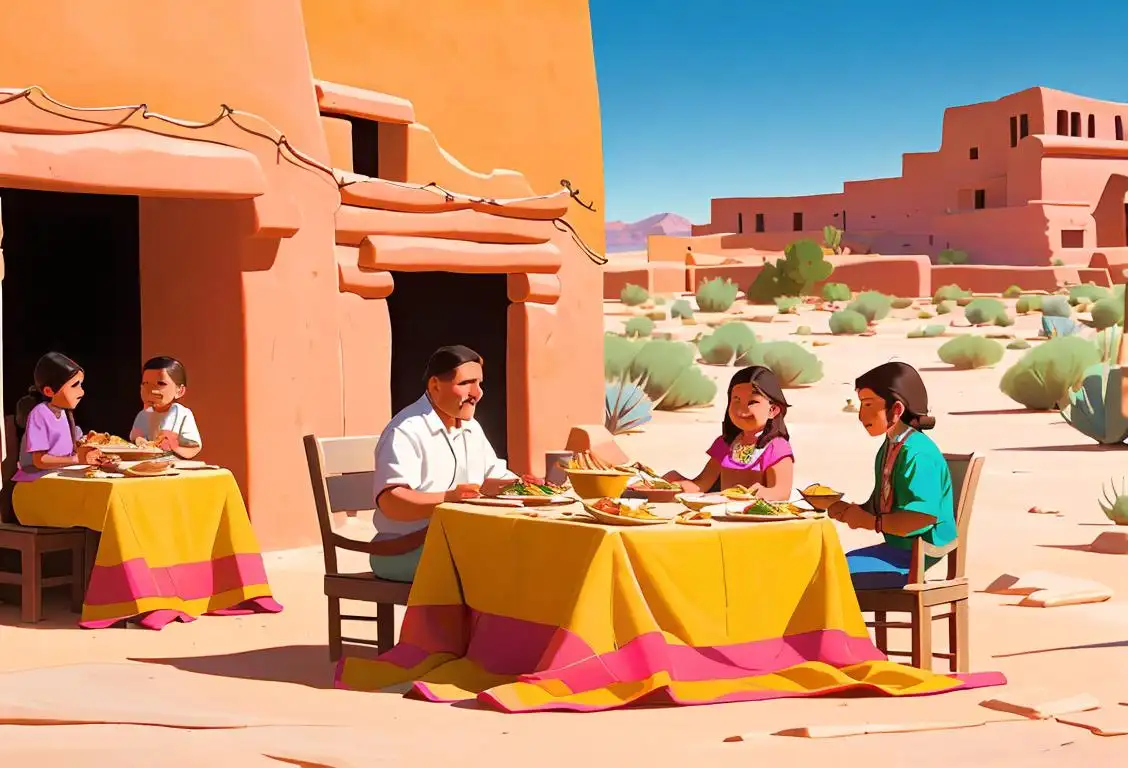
(1056, 306)
(659, 301)
(787, 305)
(626, 406)
(632, 295)
(1028, 303)
(681, 308)
(847, 322)
(871, 305)
(639, 326)
(1044, 376)
(803, 330)
(900, 302)
(1108, 312)
(1087, 293)
(618, 355)
(729, 342)
(836, 292)
(666, 372)
(926, 332)
(1058, 263)
(963, 301)
(803, 264)
(966, 352)
(949, 256)
(716, 295)
(1115, 503)
(791, 363)
(943, 308)
(1012, 292)
(924, 314)
(1019, 344)
(950, 292)
(981, 311)
(832, 238)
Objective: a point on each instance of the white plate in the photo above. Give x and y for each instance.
(732, 510)
(607, 519)
(192, 464)
(536, 501)
(698, 500)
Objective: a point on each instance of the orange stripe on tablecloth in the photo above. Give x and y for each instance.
(135, 580)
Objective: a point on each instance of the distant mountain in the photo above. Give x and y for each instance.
(623, 236)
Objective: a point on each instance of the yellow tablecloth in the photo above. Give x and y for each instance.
(171, 547)
(532, 614)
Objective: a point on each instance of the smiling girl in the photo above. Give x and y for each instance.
(165, 420)
(753, 449)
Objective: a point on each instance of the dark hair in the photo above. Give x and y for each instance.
(53, 370)
(445, 361)
(174, 367)
(899, 383)
(767, 385)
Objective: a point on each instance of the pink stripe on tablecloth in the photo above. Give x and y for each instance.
(161, 618)
(135, 579)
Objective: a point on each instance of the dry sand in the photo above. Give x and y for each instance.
(271, 671)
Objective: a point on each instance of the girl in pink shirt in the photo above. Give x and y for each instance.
(753, 449)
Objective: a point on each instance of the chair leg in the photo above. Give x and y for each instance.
(31, 583)
(90, 557)
(335, 645)
(385, 626)
(958, 638)
(922, 637)
(881, 634)
(78, 578)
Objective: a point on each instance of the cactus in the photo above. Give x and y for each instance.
(681, 308)
(632, 295)
(836, 292)
(716, 295)
(805, 264)
(967, 352)
(639, 326)
(847, 322)
(625, 407)
(1114, 504)
(832, 237)
(872, 305)
(1095, 409)
(793, 365)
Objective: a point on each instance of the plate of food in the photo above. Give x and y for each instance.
(697, 517)
(652, 487)
(757, 511)
(150, 469)
(739, 493)
(112, 445)
(533, 494)
(696, 501)
(623, 512)
(819, 496)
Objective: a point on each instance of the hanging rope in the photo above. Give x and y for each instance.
(285, 149)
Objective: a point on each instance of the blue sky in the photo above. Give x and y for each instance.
(724, 98)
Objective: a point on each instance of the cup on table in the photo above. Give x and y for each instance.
(553, 472)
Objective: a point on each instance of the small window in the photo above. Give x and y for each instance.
(1023, 126)
(759, 222)
(1119, 128)
(1014, 131)
(1073, 238)
(930, 237)
(740, 223)
(980, 199)
(973, 153)
(1063, 123)
(1075, 124)
(797, 221)
(1092, 126)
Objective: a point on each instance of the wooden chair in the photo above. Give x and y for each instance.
(919, 597)
(32, 543)
(341, 471)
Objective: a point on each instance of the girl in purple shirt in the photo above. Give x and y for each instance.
(752, 450)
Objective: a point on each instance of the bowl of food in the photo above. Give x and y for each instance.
(616, 511)
(593, 478)
(650, 486)
(821, 497)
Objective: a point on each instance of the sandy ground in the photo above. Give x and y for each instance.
(273, 671)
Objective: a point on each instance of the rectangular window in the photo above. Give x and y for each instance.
(1063, 123)
(1075, 124)
(759, 222)
(1023, 126)
(1092, 126)
(1073, 238)
(797, 221)
(980, 199)
(973, 153)
(1119, 128)
(1014, 131)
(843, 219)
(740, 223)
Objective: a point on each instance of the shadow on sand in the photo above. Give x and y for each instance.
(1085, 448)
(1090, 646)
(994, 411)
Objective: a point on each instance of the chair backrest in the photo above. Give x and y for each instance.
(342, 472)
(7, 469)
(965, 469)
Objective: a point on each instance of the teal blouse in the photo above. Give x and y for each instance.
(921, 483)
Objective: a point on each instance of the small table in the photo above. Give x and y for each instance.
(172, 548)
(553, 613)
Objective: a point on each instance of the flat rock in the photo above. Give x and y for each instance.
(1111, 543)
(1038, 705)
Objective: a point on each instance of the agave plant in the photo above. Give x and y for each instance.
(1114, 504)
(1096, 409)
(626, 407)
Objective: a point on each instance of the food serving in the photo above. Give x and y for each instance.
(694, 517)
(819, 496)
(107, 440)
(528, 487)
(739, 493)
(149, 468)
(617, 507)
(586, 461)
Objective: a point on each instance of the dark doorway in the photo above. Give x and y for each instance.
(429, 310)
(72, 285)
(365, 147)
(1126, 223)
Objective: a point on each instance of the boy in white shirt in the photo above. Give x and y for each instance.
(165, 421)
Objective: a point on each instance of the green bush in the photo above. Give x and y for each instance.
(632, 295)
(666, 372)
(787, 305)
(618, 355)
(729, 342)
(1044, 376)
(659, 301)
(950, 292)
(926, 332)
(716, 295)
(1013, 292)
(943, 308)
(803, 330)
(1108, 312)
(1019, 344)
(793, 365)
(871, 305)
(836, 292)
(832, 237)
(965, 352)
(1056, 306)
(1028, 303)
(802, 265)
(949, 256)
(681, 308)
(900, 303)
(847, 322)
(640, 326)
(1087, 294)
(981, 311)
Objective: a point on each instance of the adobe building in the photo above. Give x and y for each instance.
(303, 281)
(1031, 178)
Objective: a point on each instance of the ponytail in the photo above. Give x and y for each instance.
(25, 404)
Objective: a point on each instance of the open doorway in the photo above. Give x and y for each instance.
(429, 310)
(1111, 214)
(72, 285)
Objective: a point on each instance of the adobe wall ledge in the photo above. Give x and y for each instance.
(355, 223)
(428, 254)
(525, 288)
(339, 99)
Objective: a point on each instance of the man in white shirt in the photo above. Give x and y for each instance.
(431, 452)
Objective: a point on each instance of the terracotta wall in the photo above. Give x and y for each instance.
(996, 279)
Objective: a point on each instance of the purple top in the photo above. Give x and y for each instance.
(46, 432)
(774, 452)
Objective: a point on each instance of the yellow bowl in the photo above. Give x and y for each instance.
(821, 502)
(598, 483)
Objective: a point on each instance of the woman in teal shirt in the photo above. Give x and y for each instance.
(912, 495)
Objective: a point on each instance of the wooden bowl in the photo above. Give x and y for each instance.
(821, 502)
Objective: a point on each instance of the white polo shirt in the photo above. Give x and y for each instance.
(417, 451)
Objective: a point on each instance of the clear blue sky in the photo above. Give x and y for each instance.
(729, 98)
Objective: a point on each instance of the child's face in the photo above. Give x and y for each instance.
(68, 395)
(158, 390)
(749, 409)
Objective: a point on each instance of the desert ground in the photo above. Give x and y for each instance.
(271, 674)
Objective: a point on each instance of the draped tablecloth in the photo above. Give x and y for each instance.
(530, 614)
(172, 548)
